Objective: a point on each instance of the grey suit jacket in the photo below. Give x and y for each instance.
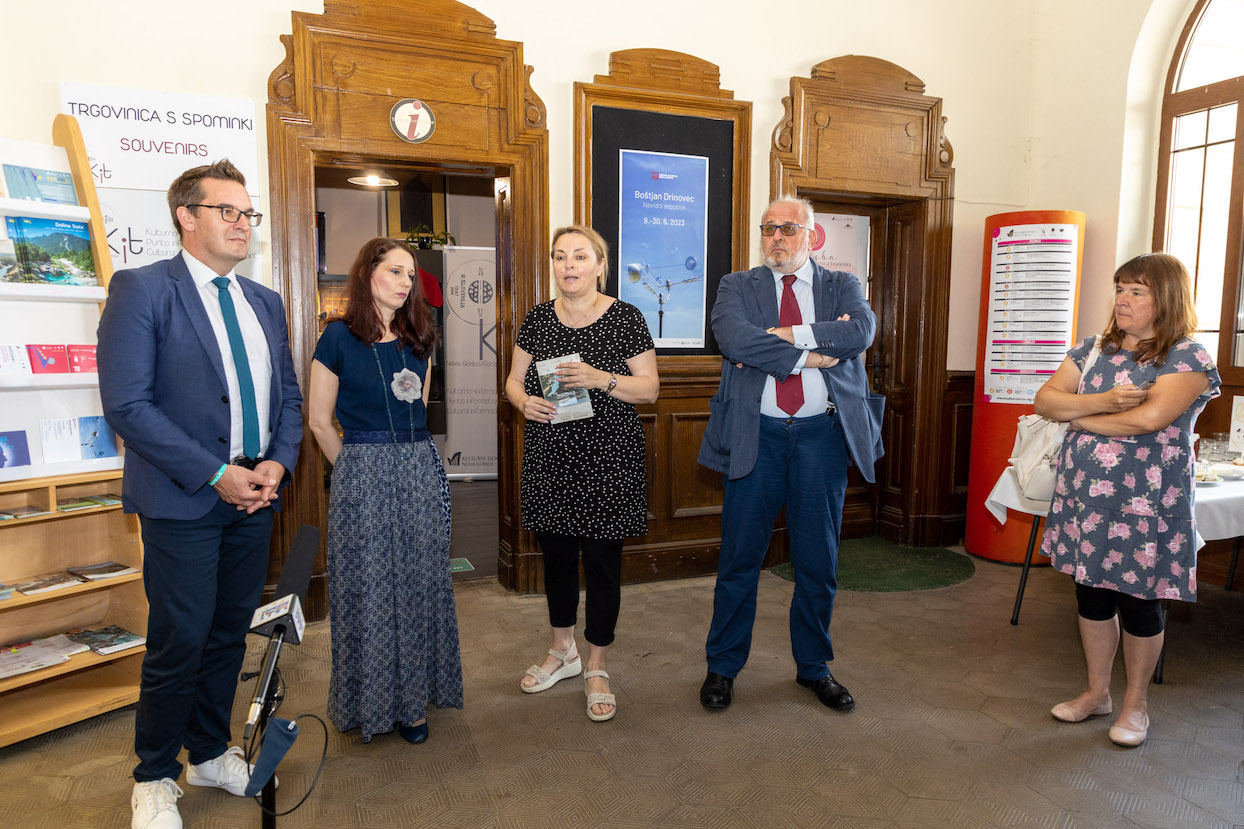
(746, 305)
(162, 383)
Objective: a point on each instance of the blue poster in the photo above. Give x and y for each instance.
(662, 243)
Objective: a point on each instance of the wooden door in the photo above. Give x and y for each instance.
(893, 263)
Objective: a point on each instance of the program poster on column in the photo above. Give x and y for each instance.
(139, 141)
(1032, 293)
(663, 241)
(470, 362)
(1030, 276)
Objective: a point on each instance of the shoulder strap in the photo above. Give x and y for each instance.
(1089, 361)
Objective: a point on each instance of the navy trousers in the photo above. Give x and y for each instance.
(802, 464)
(203, 580)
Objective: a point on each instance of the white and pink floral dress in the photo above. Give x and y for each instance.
(1121, 517)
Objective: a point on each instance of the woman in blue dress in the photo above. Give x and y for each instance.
(394, 627)
(1121, 521)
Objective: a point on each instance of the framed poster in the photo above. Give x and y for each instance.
(663, 243)
(661, 161)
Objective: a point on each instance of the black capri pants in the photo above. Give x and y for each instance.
(1141, 618)
(602, 568)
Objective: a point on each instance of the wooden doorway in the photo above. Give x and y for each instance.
(332, 97)
(860, 137)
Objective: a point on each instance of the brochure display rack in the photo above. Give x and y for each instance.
(57, 452)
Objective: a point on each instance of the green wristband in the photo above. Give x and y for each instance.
(219, 474)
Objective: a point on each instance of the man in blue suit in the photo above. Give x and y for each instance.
(195, 374)
(793, 410)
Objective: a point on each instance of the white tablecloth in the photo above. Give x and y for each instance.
(1219, 507)
(1220, 510)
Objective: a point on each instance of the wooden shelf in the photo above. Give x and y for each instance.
(86, 684)
(77, 662)
(72, 479)
(44, 210)
(98, 687)
(22, 600)
(42, 382)
(56, 515)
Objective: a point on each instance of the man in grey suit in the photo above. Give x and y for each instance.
(195, 374)
(793, 410)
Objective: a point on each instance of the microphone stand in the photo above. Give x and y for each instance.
(267, 698)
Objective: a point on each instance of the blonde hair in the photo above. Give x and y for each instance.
(594, 239)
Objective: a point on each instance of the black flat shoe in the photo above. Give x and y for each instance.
(414, 733)
(716, 692)
(829, 692)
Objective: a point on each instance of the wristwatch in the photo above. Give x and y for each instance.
(613, 384)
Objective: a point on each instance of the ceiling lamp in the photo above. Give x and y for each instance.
(373, 180)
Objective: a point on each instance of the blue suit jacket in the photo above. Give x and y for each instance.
(162, 382)
(746, 305)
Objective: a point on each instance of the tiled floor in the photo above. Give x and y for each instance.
(952, 728)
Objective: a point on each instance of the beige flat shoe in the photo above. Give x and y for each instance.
(599, 699)
(1122, 735)
(1065, 712)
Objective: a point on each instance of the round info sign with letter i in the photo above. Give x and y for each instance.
(412, 120)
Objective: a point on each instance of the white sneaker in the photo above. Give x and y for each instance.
(229, 771)
(155, 805)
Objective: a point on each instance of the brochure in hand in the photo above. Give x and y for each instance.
(108, 639)
(572, 404)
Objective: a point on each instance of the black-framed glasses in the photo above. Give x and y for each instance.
(787, 228)
(231, 214)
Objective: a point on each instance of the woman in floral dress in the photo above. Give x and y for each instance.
(1121, 521)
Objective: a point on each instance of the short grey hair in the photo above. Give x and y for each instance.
(809, 219)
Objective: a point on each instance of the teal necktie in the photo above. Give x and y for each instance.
(246, 386)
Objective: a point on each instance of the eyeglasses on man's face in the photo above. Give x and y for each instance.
(787, 228)
(231, 214)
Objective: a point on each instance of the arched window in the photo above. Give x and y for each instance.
(1201, 173)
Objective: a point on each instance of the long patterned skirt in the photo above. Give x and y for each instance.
(394, 626)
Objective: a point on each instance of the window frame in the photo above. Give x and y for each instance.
(1175, 104)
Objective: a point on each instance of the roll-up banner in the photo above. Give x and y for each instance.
(1030, 293)
(470, 288)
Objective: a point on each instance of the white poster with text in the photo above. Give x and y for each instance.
(139, 141)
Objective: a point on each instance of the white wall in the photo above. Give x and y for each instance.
(1039, 93)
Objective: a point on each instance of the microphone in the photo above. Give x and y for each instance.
(282, 619)
(285, 611)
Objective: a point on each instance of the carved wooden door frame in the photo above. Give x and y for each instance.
(862, 127)
(331, 96)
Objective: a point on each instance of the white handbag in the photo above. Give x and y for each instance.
(1037, 442)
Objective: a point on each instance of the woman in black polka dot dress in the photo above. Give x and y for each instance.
(584, 484)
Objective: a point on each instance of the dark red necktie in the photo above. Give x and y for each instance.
(790, 390)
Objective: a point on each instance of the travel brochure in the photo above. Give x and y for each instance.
(49, 358)
(68, 504)
(64, 439)
(25, 657)
(572, 404)
(47, 252)
(35, 184)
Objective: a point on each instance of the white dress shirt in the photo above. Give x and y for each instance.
(815, 395)
(257, 353)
